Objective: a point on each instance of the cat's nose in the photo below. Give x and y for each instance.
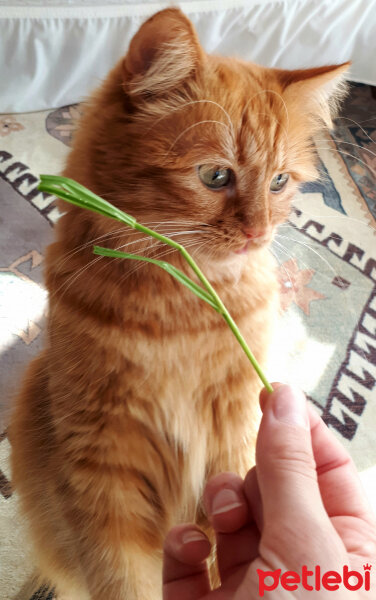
(255, 232)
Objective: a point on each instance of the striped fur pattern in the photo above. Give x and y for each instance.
(142, 393)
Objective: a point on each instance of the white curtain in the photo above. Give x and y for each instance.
(55, 53)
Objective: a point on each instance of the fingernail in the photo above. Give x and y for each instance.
(290, 406)
(225, 500)
(193, 536)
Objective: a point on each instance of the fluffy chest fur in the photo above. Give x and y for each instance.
(157, 356)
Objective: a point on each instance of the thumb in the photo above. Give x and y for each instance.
(285, 465)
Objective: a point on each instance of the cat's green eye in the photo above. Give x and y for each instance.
(279, 182)
(214, 177)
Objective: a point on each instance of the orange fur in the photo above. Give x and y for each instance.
(142, 391)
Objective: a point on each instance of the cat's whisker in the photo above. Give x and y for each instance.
(348, 154)
(293, 240)
(208, 256)
(175, 236)
(192, 102)
(198, 251)
(136, 241)
(140, 264)
(172, 222)
(284, 130)
(283, 248)
(357, 124)
(191, 127)
(71, 253)
(317, 272)
(179, 232)
(351, 144)
(197, 244)
(165, 251)
(338, 216)
(269, 92)
(72, 278)
(195, 247)
(367, 120)
(291, 255)
(110, 235)
(281, 264)
(152, 244)
(123, 230)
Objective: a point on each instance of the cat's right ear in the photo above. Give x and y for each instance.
(164, 52)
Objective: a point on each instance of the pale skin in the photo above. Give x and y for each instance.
(301, 504)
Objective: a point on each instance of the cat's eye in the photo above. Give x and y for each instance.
(214, 177)
(279, 182)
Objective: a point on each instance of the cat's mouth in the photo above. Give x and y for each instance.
(245, 248)
(255, 242)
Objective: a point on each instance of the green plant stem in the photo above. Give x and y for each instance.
(76, 194)
(227, 317)
(196, 289)
(211, 297)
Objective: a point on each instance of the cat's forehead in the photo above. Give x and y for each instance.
(234, 112)
(244, 87)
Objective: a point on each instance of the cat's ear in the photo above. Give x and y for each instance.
(163, 53)
(318, 90)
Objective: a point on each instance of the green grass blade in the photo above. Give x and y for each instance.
(77, 194)
(183, 278)
(173, 271)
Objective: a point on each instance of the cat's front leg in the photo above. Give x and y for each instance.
(119, 572)
(119, 512)
(232, 417)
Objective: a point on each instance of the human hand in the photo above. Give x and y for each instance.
(301, 505)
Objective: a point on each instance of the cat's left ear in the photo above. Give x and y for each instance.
(318, 90)
(164, 52)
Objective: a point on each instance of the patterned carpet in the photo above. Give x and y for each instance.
(326, 341)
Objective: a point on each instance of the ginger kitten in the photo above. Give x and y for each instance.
(142, 392)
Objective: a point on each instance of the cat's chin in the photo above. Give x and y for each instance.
(255, 244)
(229, 266)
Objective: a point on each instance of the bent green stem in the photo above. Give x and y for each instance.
(77, 194)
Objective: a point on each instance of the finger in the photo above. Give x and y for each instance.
(264, 394)
(339, 483)
(235, 552)
(285, 464)
(185, 573)
(225, 502)
(252, 493)
(237, 535)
